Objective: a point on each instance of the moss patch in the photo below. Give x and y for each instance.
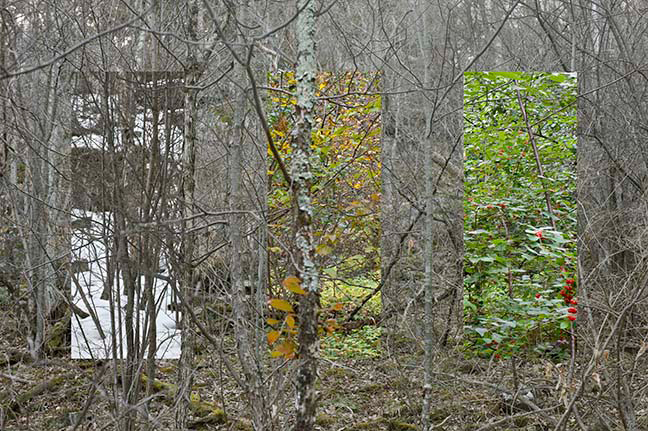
(396, 425)
(323, 419)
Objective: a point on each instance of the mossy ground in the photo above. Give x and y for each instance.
(379, 392)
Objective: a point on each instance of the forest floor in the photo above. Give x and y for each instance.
(383, 392)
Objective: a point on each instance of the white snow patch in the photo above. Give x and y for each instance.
(90, 246)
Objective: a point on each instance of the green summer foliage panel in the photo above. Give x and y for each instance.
(519, 270)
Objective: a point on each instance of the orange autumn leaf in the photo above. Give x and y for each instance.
(287, 348)
(331, 326)
(273, 336)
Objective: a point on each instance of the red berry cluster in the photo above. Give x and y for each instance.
(568, 291)
(568, 295)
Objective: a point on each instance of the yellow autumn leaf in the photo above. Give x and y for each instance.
(272, 321)
(323, 249)
(292, 283)
(281, 304)
(290, 321)
(273, 336)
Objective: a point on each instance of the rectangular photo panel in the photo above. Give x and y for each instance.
(346, 198)
(520, 265)
(126, 129)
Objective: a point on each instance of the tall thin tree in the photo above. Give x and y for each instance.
(303, 217)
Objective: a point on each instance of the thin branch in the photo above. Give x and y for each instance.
(469, 65)
(76, 47)
(283, 25)
(537, 159)
(257, 100)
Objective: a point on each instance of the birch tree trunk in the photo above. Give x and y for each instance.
(306, 270)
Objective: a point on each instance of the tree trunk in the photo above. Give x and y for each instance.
(4, 96)
(428, 244)
(306, 270)
(185, 365)
(391, 305)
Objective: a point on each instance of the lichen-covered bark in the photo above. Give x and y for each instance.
(306, 270)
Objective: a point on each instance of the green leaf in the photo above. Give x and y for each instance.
(510, 75)
(331, 271)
